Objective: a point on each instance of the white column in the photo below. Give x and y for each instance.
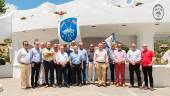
(1, 88)
(146, 37)
(15, 47)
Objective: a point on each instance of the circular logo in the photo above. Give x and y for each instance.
(158, 12)
(68, 29)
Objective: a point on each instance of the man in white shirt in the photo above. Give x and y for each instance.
(24, 59)
(62, 59)
(134, 58)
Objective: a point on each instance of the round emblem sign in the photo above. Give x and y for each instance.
(158, 12)
(68, 30)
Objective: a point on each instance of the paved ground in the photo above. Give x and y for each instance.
(11, 88)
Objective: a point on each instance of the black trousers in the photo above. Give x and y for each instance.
(112, 71)
(69, 73)
(76, 73)
(136, 69)
(49, 68)
(56, 67)
(35, 70)
(147, 71)
(62, 72)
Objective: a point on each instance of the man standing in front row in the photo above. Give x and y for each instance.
(36, 61)
(62, 59)
(101, 61)
(147, 62)
(76, 64)
(134, 58)
(120, 59)
(48, 65)
(24, 59)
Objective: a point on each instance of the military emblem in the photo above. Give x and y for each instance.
(158, 12)
(68, 29)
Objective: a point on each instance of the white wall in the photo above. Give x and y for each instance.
(5, 26)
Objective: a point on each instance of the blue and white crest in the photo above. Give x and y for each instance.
(68, 29)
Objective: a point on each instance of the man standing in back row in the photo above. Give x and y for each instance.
(85, 59)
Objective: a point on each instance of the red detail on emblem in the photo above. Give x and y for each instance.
(61, 13)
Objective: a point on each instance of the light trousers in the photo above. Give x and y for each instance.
(25, 75)
(42, 75)
(91, 72)
(101, 68)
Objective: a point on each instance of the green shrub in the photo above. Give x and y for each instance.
(2, 6)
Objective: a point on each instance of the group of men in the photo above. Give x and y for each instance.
(65, 65)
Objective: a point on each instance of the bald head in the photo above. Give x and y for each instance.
(145, 47)
(81, 45)
(119, 46)
(133, 46)
(75, 49)
(42, 45)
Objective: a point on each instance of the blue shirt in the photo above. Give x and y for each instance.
(134, 55)
(75, 58)
(36, 55)
(84, 54)
(111, 55)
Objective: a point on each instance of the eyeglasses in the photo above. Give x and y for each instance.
(26, 44)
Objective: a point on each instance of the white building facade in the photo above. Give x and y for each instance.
(98, 19)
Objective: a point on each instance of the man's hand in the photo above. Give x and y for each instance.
(133, 62)
(122, 61)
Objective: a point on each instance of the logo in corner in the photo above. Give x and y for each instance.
(158, 12)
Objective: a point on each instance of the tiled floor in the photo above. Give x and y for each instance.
(12, 88)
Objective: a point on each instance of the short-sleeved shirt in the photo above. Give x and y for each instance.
(147, 57)
(75, 58)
